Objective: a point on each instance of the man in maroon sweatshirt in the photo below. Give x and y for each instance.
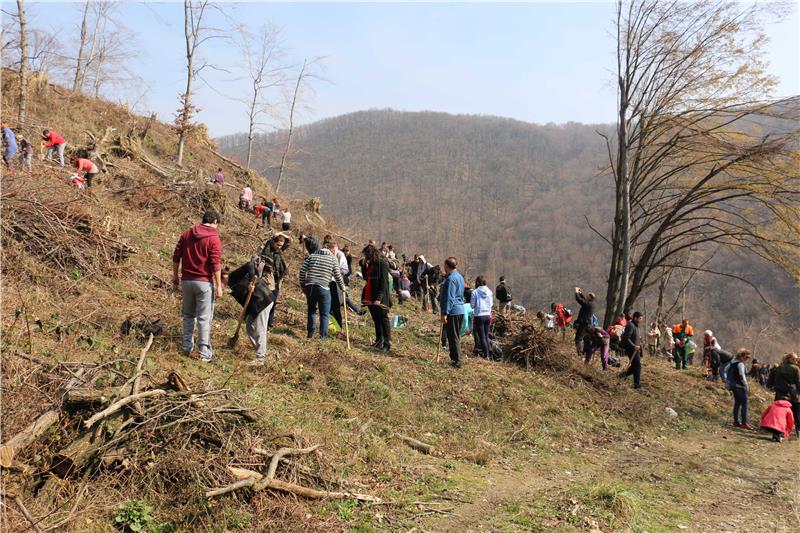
(199, 256)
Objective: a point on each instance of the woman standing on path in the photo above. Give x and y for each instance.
(377, 295)
(737, 379)
(482, 301)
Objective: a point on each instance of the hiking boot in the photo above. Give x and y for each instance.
(386, 348)
(258, 361)
(777, 437)
(455, 364)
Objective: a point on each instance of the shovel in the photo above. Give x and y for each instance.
(233, 340)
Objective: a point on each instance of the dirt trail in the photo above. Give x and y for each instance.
(738, 482)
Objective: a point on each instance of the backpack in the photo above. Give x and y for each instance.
(731, 377)
(595, 321)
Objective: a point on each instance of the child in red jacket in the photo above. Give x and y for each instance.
(778, 418)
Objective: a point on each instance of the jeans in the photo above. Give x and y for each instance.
(319, 299)
(257, 331)
(739, 402)
(453, 329)
(198, 308)
(481, 327)
(383, 330)
(57, 149)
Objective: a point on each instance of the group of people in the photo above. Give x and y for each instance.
(265, 210)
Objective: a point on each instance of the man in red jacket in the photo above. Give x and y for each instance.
(199, 256)
(55, 145)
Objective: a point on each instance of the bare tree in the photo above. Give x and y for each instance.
(262, 53)
(196, 33)
(690, 163)
(307, 73)
(79, 62)
(23, 61)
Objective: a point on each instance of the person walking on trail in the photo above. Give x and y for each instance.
(784, 379)
(482, 301)
(315, 277)
(9, 145)
(286, 220)
(198, 255)
(55, 145)
(219, 177)
(377, 295)
(682, 333)
(257, 271)
(503, 295)
(273, 251)
(653, 338)
(584, 321)
(451, 305)
(737, 384)
(597, 339)
(631, 343)
(86, 167)
(246, 198)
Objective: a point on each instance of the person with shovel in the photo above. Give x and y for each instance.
(253, 286)
(198, 255)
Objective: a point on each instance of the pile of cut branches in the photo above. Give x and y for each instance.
(136, 434)
(523, 343)
(59, 230)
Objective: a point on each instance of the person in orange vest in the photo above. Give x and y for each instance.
(682, 333)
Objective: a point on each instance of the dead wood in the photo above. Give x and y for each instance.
(81, 398)
(138, 374)
(285, 452)
(417, 445)
(119, 404)
(25, 437)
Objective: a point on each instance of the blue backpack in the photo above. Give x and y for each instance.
(595, 321)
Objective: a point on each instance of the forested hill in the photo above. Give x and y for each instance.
(507, 197)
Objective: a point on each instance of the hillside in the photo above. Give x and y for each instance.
(508, 198)
(559, 447)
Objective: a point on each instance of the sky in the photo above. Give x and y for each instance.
(536, 62)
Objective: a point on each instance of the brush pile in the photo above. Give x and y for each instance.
(523, 343)
(135, 434)
(62, 231)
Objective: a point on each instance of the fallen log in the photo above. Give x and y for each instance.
(415, 444)
(119, 404)
(25, 437)
(228, 160)
(83, 398)
(77, 454)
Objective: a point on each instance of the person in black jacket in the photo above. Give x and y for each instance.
(503, 295)
(273, 250)
(632, 346)
(258, 273)
(376, 295)
(583, 324)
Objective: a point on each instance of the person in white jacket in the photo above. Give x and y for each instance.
(482, 301)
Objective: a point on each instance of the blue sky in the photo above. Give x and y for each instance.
(537, 62)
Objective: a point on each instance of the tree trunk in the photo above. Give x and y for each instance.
(98, 70)
(82, 398)
(23, 62)
(187, 96)
(291, 127)
(98, 17)
(625, 188)
(252, 125)
(79, 63)
(25, 437)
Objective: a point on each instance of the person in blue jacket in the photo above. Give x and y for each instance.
(451, 303)
(9, 145)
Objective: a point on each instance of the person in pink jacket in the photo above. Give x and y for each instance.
(778, 419)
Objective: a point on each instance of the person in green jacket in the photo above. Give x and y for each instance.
(784, 379)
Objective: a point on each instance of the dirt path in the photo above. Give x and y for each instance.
(721, 480)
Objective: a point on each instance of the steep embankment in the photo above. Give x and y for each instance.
(509, 198)
(554, 448)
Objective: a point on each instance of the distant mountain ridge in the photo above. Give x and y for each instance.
(507, 197)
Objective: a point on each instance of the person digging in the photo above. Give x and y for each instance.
(252, 285)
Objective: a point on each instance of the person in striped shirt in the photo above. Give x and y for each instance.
(315, 276)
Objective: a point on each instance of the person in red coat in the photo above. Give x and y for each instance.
(778, 418)
(55, 145)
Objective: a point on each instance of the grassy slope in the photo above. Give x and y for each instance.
(515, 450)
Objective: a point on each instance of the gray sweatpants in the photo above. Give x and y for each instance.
(198, 308)
(257, 331)
(57, 149)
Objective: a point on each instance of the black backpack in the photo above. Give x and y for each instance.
(239, 282)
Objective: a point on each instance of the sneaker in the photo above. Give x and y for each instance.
(455, 364)
(211, 359)
(258, 361)
(777, 437)
(362, 311)
(748, 427)
(386, 348)
(737, 425)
